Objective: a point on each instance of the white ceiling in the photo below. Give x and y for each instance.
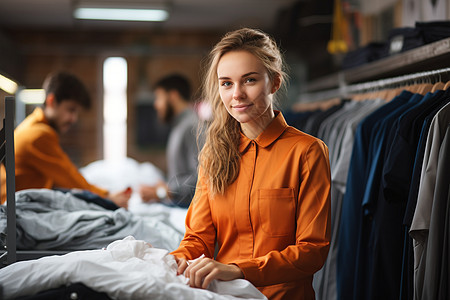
(184, 14)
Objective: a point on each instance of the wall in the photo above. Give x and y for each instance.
(150, 55)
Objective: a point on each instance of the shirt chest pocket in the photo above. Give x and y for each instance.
(276, 208)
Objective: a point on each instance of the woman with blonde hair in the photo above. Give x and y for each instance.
(263, 191)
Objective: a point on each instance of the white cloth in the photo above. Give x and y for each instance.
(118, 175)
(126, 269)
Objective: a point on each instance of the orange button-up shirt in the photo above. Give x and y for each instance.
(273, 221)
(40, 160)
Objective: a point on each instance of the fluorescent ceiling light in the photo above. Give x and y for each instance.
(8, 85)
(31, 96)
(121, 14)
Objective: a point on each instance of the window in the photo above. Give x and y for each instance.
(115, 108)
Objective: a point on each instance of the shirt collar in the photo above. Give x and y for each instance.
(272, 132)
(38, 114)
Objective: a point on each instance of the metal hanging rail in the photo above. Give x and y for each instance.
(427, 76)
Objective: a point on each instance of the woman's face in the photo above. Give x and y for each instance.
(245, 88)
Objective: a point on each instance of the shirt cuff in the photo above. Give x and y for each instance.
(249, 268)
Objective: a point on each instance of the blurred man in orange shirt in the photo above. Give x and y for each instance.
(40, 160)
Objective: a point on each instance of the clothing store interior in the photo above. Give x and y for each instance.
(110, 188)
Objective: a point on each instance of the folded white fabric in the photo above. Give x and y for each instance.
(126, 269)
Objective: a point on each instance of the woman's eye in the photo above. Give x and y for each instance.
(250, 80)
(225, 83)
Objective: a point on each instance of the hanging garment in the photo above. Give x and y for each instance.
(340, 170)
(389, 155)
(351, 216)
(422, 215)
(435, 284)
(387, 231)
(400, 157)
(314, 122)
(407, 288)
(366, 246)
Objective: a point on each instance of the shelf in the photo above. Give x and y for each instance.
(425, 58)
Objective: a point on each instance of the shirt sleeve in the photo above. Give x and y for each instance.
(47, 156)
(310, 250)
(202, 239)
(182, 183)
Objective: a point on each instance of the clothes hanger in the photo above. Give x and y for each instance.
(394, 92)
(439, 85)
(370, 94)
(447, 85)
(395, 87)
(426, 86)
(324, 105)
(446, 80)
(377, 92)
(358, 96)
(421, 85)
(413, 85)
(355, 97)
(382, 91)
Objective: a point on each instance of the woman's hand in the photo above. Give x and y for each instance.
(182, 265)
(202, 271)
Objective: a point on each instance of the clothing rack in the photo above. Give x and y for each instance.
(345, 91)
(377, 159)
(434, 76)
(7, 157)
(428, 57)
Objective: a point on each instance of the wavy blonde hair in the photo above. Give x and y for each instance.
(220, 157)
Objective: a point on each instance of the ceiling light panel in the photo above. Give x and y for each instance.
(149, 11)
